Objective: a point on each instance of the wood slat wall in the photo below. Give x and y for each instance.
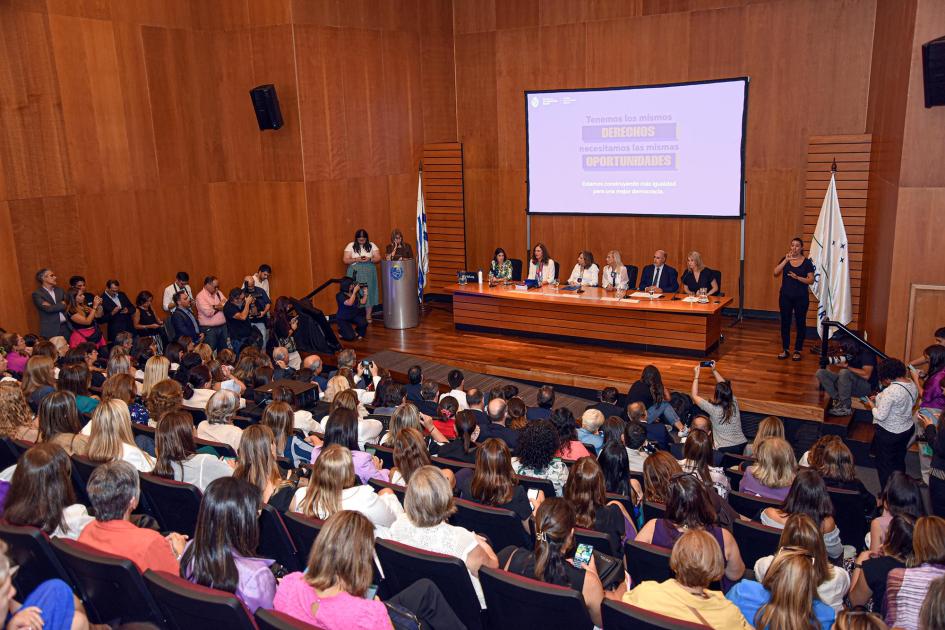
(446, 218)
(852, 153)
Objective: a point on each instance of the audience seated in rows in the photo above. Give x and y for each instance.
(537, 455)
(773, 472)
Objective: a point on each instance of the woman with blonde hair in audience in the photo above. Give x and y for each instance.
(852, 619)
(257, 464)
(59, 423)
(773, 472)
(786, 598)
(41, 493)
(39, 380)
(334, 487)
(111, 438)
(407, 416)
(932, 614)
(177, 456)
(410, 454)
(219, 427)
(205, 352)
(689, 506)
(768, 427)
(801, 532)
(369, 429)
(163, 397)
(871, 569)
(428, 504)
(808, 495)
(155, 371)
(16, 418)
(696, 562)
(836, 466)
(336, 385)
(907, 589)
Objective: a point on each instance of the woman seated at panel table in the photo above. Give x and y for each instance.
(698, 276)
(585, 272)
(541, 266)
(615, 273)
(501, 266)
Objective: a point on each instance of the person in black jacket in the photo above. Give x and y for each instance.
(117, 310)
(936, 441)
(184, 322)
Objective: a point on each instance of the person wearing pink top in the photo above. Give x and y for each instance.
(210, 302)
(330, 594)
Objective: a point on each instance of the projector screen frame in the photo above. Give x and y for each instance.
(741, 205)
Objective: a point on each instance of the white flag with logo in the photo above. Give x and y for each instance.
(831, 256)
(423, 245)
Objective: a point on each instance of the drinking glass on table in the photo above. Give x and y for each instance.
(703, 296)
(651, 290)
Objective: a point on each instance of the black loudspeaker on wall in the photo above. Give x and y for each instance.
(266, 105)
(933, 71)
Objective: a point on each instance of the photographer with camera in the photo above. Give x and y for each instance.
(351, 320)
(237, 313)
(259, 309)
(855, 375)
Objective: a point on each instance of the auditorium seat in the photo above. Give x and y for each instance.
(275, 541)
(513, 601)
(516, 268)
(734, 477)
(82, 468)
(632, 272)
(653, 510)
(403, 565)
(755, 540)
(749, 505)
(451, 464)
(174, 504)
(8, 454)
(385, 454)
(848, 514)
(537, 483)
(730, 460)
(623, 500)
(378, 485)
(111, 588)
(186, 606)
(646, 562)
(29, 549)
(623, 616)
(501, 526)
(223, 450)
(303, 530)
(275, 620)
(599, 541)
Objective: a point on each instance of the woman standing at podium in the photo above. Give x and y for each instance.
(398, 249)
(361, 255)
(585, 272)
(541, 267)
(797, 274)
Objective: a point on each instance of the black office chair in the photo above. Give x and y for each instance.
(516, 268)
(718, 280)
(513, 601)
(632, 272)
(557, 269)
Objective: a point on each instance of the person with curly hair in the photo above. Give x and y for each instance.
(536, 456)
(16, 419)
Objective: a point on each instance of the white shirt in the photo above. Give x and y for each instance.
(893, 407)
(589, 277)
(200, 469)
(137, 458)
(368, 430)
(460, 397)
(303, 420)
(547, 271)
(607, 278)
(349, 249)
(831, 591)
(657, 276)
(262, 284)
(381, 510)
(74, 517)
(225, 433)
(169, 292)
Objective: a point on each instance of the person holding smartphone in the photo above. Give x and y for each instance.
(398, 249)
(722, 410)
(797, 274)
(361, 256)
(352, 300)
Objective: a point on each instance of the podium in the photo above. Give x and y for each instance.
(401, 302)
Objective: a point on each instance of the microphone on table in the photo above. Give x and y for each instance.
(580, 289)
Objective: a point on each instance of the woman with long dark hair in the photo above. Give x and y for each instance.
(361, 256)
(654, 395)
(257, 465)
(493, 482)
(586, 491)
(82, 316)
(177, 456)
(569, 447)
(808, 495)
(221, 555)
(797, 274)
(541, 267)
(697, 458)
(342, 428)
(552, 561)
(723, 413)
(501, 267)
(464, 447)
(872, 568)
(59, 423)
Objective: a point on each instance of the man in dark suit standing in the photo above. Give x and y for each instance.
(117, 309)
(183, 320)
(660, 276)
(49, 301)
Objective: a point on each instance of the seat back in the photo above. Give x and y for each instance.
(749, 505)
(186, 606)
(599, 541)
(730, 460)
(632, 272)
(451, 464)
(275, 541)
(622, 616)
(82, 468)
(557, 270)
(112, 588)
(537, 483)
(502, 527)
(625, 501)
(734, 477)
(223, 450)
(175, 504)
(8, 454)
(718, 280)
(29, 548)
(516, 268)
(849, 516)
(385, 454)
(755, 540)
(403, 565)
(515, 601)
(275, 620)
(20, 446)
(400, 491)
(646, 562)
(653, 510)
(303, 530)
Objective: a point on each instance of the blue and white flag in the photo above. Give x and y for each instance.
(423, 244)
(831, 257)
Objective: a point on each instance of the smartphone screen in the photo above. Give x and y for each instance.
(582, 555)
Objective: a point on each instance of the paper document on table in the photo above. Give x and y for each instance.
(616, 299)
(644, 294)
(690, 299)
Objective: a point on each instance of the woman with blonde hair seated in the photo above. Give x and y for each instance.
(773, 472)
(697, 562)
(219, 427)
(155, 370)
(768, 427)
(16, 418)
(111, 438)
(697, 276)
(614, 275)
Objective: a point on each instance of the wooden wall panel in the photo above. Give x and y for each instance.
(446, 219)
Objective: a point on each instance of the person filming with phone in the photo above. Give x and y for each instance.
(351, 320)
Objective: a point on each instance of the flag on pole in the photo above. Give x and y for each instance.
(423, 244)
(831, 258)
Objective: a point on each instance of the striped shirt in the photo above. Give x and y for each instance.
(906, 590)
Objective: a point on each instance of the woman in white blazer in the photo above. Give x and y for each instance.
(541, 265)
(615, 273)
(585, 272)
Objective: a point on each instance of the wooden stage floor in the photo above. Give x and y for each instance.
(747, 357)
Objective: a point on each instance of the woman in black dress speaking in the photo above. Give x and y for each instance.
(797, 274)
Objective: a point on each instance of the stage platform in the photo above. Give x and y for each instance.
(747, 357)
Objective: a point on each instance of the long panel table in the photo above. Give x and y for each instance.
(665, 323)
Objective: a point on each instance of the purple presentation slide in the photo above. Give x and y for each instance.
(671, 150)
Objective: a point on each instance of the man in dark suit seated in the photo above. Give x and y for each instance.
(414, 380)
(474, 398)
(183, 320)
(495, 428)
(660, 276)
(429, 392)
(546, 400)
(608, 403)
